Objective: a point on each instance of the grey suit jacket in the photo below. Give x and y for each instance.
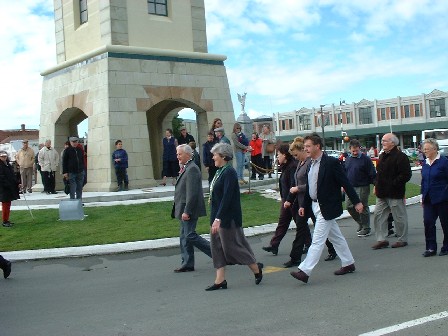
(188, 195)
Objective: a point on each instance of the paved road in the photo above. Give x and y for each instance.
(137, 294)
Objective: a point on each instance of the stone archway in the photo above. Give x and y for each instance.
(159, 118)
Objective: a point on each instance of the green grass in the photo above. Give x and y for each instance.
(124, 223)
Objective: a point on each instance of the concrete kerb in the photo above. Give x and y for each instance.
(83, 251)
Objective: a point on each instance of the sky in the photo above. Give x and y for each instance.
(284, 54)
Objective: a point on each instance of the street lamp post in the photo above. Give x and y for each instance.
(322, 125)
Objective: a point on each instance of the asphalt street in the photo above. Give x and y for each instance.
(134, 294)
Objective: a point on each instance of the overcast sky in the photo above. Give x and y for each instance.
(285, 54)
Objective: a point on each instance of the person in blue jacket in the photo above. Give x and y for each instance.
(120, 160)
(434, 190)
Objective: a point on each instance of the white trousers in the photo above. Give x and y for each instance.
(325, 229)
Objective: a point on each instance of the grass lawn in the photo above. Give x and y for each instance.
(124, 223)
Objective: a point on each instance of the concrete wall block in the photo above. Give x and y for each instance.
(178, 68)
(159, 79)
(119, 26)
(128, 104)
(142, 78)
(119, 119)
(135, 91)
(163, 67)
(124, 77)
(117, 90)
(210, 93)
(148, 66)
(124, 65)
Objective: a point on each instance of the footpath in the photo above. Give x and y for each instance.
(37, 200)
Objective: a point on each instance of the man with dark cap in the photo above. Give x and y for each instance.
(73, 167)
(185, 138)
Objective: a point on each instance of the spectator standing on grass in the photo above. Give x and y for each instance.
(25, 160)
(207, 156)
(268, 139)
(170, 162)
(255, 157)
(49, 162)
(361, 174)
(393, 171)
(240, 146)
(73, 168)
(9, 187)
(120, 160)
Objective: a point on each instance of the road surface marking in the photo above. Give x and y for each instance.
(405, 325)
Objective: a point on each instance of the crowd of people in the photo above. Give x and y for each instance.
(312, 185)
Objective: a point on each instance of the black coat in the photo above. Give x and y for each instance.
(9, 186)
(393, 170)
(287, 180)
(330, 179)
(73, 160)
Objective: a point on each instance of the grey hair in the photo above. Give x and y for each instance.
(224, 150)
(433, 142)
(186, 149)
(394, 139)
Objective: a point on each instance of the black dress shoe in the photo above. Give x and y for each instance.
(184, 269)
(272, 249)
(213, 287)
(429, 253)
(7, 224)
(331, 256)
(7, 269)
(259, 275)
(291, 263)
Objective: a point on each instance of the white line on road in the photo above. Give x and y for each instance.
(406, 325)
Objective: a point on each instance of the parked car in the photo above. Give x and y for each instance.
(334, 153)
(410, 152)
(443, 150)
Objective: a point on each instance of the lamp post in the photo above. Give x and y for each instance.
(322, 124)
(343, 134)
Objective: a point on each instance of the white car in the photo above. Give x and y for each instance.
(333, 153)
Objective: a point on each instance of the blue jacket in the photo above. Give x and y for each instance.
(435, 181)
(120, 154)
(360, 170)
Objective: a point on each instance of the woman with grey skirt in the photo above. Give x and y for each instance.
(227, 241)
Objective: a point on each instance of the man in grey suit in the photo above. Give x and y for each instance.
(189, 205)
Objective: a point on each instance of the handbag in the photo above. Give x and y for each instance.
(270, 148)
(66, 187)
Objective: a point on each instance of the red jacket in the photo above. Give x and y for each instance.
(256, 146)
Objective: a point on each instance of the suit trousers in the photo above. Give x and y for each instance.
(430, 214)
(26, 176)
(283, 225)
(303, 235)
(325, 229)
(189, 239)
(363, 219)
(397, 207)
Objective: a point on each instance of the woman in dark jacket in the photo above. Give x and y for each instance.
(434, 190)
(288, 167)
(9, 187)
(227, 241)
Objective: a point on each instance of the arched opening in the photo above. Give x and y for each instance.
(160, 117)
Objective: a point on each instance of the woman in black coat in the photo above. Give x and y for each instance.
(288, 167)
(9, 187)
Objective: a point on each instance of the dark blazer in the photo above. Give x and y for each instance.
(287, 180)
(188, 195)
(330, 179)
(300, 180)
(435, 181)
(225, 200)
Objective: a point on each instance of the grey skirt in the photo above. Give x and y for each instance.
(230, 247)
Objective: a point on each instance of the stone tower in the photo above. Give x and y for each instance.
(129, 66)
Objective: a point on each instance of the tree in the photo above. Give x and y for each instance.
(177, 123)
